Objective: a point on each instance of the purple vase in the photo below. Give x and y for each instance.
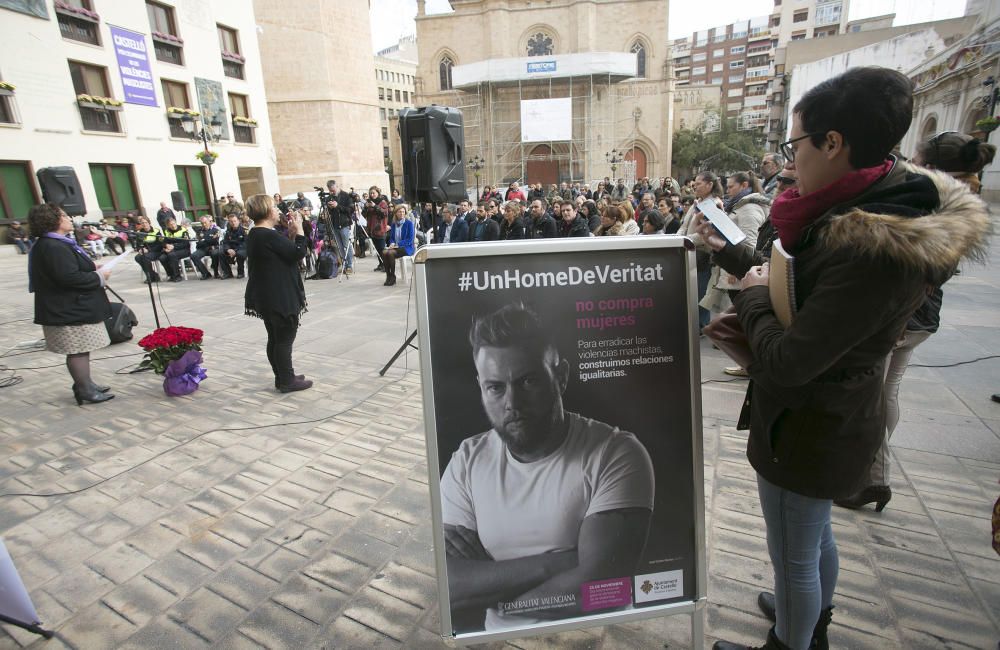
(182, 376)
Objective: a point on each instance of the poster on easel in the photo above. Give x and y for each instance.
(561, 390)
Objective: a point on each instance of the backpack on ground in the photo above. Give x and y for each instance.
(326, 265)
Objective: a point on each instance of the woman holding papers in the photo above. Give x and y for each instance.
(706, 184)
(869, 234)
(70, 303)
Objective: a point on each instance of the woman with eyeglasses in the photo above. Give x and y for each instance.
(869, 235)
(962, 157)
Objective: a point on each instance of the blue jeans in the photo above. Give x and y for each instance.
(343, 236)
(804, 556)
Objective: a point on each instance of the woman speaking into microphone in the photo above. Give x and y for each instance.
(274, 290)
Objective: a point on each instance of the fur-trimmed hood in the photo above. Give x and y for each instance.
(901, 218)
(756, 199)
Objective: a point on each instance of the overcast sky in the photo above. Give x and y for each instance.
(394, 18)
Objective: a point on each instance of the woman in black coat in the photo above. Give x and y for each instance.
(869, 235)
(70, 303)
(274, 291)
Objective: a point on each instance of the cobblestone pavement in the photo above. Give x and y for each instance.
(242, 518)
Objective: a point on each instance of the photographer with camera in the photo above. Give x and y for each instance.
(340, 207)
(376, 214)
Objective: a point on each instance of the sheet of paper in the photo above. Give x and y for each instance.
(113, 262)
(726, 227)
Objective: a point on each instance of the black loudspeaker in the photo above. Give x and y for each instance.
(60, 186)
(433, 143)
(180, 203)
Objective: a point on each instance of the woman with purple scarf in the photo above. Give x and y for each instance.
(70, 303)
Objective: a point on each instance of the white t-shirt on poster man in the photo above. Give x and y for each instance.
(523, 509)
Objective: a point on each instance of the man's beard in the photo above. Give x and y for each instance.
(523, 436)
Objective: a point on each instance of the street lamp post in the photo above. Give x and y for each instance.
(475, 165)
(211, 134)
(614, 158)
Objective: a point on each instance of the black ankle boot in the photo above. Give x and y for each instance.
(877, 494)
(772, 644)
(90, 394)
(765, 601)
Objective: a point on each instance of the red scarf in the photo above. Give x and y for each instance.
(791, 213)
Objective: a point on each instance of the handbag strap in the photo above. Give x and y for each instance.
(114, 293)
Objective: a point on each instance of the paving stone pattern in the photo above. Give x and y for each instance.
(242, 518)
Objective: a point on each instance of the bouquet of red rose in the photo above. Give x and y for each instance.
(168, 344)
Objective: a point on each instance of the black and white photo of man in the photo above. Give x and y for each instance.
(546, 500)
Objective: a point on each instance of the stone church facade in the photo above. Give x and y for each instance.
(609, 57)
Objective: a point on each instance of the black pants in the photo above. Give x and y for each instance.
(379, 244)
(197, 256)
(225, 262)
(281, 331)
(172, 260)
(145, 260)
(390, 255)
(114, 245)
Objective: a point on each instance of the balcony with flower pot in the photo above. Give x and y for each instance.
(99, 113)
(78, 22)
(232, 64)
(243, 130)
(8, 113)
(176, 116)
(169, 48)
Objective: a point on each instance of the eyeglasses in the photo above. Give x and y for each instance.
(785, 180)
(786, 147)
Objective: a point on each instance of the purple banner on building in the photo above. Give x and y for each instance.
(133, 66)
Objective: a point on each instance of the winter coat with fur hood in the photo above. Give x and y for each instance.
(816, 414)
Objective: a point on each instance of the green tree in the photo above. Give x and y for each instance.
(726, 150)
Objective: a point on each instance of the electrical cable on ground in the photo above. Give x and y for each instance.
(204, 433)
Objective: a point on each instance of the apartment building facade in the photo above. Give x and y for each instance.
(395, 74)
(740, 57)
(118, 92)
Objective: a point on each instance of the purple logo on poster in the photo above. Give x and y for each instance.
(603, 594)
(133, 66)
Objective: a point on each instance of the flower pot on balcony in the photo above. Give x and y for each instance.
(6, 92)
(208, 160)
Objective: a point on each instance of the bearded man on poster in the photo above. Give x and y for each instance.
(546, 500)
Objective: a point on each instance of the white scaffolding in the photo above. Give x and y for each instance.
(604, 117)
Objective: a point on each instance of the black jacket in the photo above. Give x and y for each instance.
(485, 230)
(275, 284)
(208, 238)
(343, 214)
(579, 227)
(235, 239)
(542, 228)
(512, 229)
(816, 411)
(67, 289)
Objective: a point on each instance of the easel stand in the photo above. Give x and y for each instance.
(407, 343)
(30, 627)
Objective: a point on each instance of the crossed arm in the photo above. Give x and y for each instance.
(609, 545)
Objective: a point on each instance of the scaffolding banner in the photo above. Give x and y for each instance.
(546, 120)
(555, 507)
